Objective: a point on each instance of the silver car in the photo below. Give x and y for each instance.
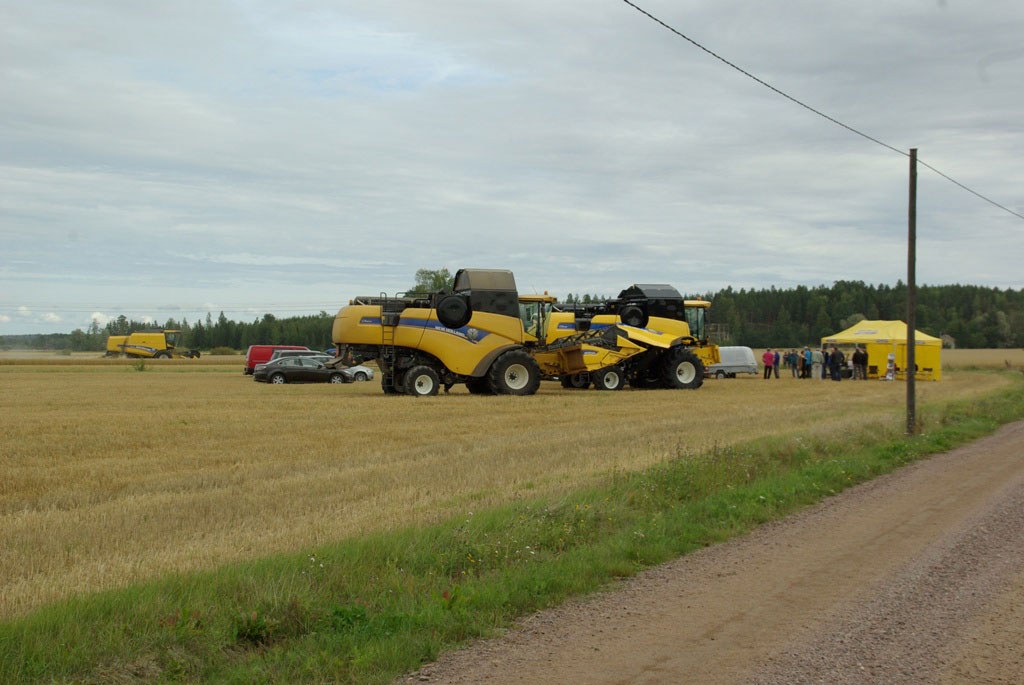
(360, 373)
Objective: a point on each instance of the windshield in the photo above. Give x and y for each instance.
(172, 339)
(696, 319)
(534, 316)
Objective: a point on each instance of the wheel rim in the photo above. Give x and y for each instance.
(517, 376)
(423, 384)
(612, 380)
(277, 380)
(337, 379)
(720, 375)
(686, 372)
(360, 376)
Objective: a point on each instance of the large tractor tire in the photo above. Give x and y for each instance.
(479, 386)
(682, 369)
(454, 311)
(609, 378)
(421, 381)
(633, 315)
(515, 373)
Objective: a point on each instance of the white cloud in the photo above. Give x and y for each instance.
(4, 318)
(100, 318)
(50, 317)
(24, 311)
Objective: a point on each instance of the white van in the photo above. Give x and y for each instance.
(734, 360)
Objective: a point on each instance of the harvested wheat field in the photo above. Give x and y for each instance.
(112, 475)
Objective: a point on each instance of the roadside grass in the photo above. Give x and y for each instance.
(368, 609)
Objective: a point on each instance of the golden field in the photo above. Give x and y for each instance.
(112, 475)
(993, 359)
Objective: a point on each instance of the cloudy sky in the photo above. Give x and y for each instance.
(165, 159)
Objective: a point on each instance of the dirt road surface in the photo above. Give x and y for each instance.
(915, 577)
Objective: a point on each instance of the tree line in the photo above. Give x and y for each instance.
(972, 316)
(314, 331)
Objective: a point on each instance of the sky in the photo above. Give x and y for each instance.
(163, 160)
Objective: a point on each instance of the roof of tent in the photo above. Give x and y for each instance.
(879, 332)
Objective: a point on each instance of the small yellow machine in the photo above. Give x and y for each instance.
(563, 352)
(148, 345)
(643, 337)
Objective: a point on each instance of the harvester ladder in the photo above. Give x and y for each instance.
(390, 311)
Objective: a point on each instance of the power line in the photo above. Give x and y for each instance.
(815, 111)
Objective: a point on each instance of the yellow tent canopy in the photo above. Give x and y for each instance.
(882, 338)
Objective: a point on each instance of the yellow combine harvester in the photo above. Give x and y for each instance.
(484, 335)
(148, 345)
(660, 339)
(423, 341)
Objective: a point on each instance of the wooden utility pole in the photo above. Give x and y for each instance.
(911, 365)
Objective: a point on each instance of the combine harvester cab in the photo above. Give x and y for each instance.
(148, 345)
(422, 342)
(669, 330)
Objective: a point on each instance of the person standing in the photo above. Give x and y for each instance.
(793, 361)
(860, 364)
(807, 362)
(817, 363)
(775, 365)
(768, 359)
(835, 362)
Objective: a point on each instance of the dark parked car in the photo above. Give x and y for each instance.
(311, 354)
(299, 370)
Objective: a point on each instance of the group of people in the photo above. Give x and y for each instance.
(819, 363)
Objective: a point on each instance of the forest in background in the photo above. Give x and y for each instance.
(972, 316)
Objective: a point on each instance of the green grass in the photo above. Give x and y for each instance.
(366, 610)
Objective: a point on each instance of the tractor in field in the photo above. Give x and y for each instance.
(148, 345)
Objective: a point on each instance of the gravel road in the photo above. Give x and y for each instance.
(915, 577)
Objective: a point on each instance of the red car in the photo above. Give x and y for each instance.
(260, 354)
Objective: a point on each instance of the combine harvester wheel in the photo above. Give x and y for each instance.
(421, 381)
(515, 373)
(683, 370)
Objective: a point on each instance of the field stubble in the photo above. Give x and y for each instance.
(114, 476)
